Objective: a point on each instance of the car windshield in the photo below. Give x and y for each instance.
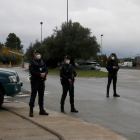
(90, 63)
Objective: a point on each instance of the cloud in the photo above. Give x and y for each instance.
(118, 20)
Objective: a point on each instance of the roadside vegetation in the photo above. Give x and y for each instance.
(13, 43)
(82, 72)
(70, 39)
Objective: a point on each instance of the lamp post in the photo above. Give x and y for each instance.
(67, 11)
(101, 49)
(41, 30)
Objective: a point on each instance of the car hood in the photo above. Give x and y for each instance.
(7, 71)
(4, 75)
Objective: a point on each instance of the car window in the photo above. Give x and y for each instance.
(82, 64)
(89, 63)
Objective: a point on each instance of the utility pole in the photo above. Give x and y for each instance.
(101, 50)
(67, 11)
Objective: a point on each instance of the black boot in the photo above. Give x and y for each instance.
(116, 95)
(43, 112)
(107, 95)
(73, 109)
(31, 112)
(62, 109)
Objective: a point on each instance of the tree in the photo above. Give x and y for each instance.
(104, 60)
(103, 57)
(1, 44)
(7, 58)
(123, 60)
(116, 58)
(75, 40)
(29, 52)
(6, 50)
(13, 42)
(71, 39)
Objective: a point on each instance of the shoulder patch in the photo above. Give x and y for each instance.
(29, 64)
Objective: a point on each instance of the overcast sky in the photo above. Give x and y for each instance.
(117, 20)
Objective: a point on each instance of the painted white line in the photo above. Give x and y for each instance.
(22, 95)
(20, 102)
(28, 80)
(7, 97)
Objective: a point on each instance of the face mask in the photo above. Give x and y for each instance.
(38, 56)
(112, 58)
(68, 61)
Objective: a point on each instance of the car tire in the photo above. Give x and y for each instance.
(92, 69)
(1, 98)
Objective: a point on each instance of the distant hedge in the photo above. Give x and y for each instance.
(6, 58)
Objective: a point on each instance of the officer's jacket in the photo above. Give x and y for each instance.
(65, 72)
(110, 64)
(36, 68)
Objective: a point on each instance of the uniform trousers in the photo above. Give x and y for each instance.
(66, 88)
(112, 76)
(37, 86)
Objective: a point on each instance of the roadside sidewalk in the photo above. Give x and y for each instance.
(65, 127)
(13, 127)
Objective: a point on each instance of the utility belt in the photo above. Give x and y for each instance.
(112, 73)
(37, 79)
(63, 81)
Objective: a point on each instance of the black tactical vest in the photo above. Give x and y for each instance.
(39, 66)
(67, 70)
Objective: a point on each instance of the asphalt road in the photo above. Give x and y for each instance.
(119, 114)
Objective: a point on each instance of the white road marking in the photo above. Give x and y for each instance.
(6, 97)
(47, 92)
(28, 80)
(25, 95)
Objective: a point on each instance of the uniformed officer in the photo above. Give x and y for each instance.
(38, 72)
(67, 75)
(112, 67)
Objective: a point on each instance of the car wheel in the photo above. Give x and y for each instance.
(1, 98)
(92, 69)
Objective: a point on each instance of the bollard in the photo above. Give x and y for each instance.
(10, 65)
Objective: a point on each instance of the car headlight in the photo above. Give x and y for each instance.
(13, 79)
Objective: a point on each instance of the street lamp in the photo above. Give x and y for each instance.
(67, 10)
(41, 30)
(101, 49)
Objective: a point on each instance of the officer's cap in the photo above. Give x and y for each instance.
(36, 51)
(112, 54)
(67, 57)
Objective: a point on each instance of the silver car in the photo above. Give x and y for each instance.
(88, 65)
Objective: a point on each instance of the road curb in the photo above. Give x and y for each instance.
(43, 127)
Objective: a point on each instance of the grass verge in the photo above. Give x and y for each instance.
(82, 73)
